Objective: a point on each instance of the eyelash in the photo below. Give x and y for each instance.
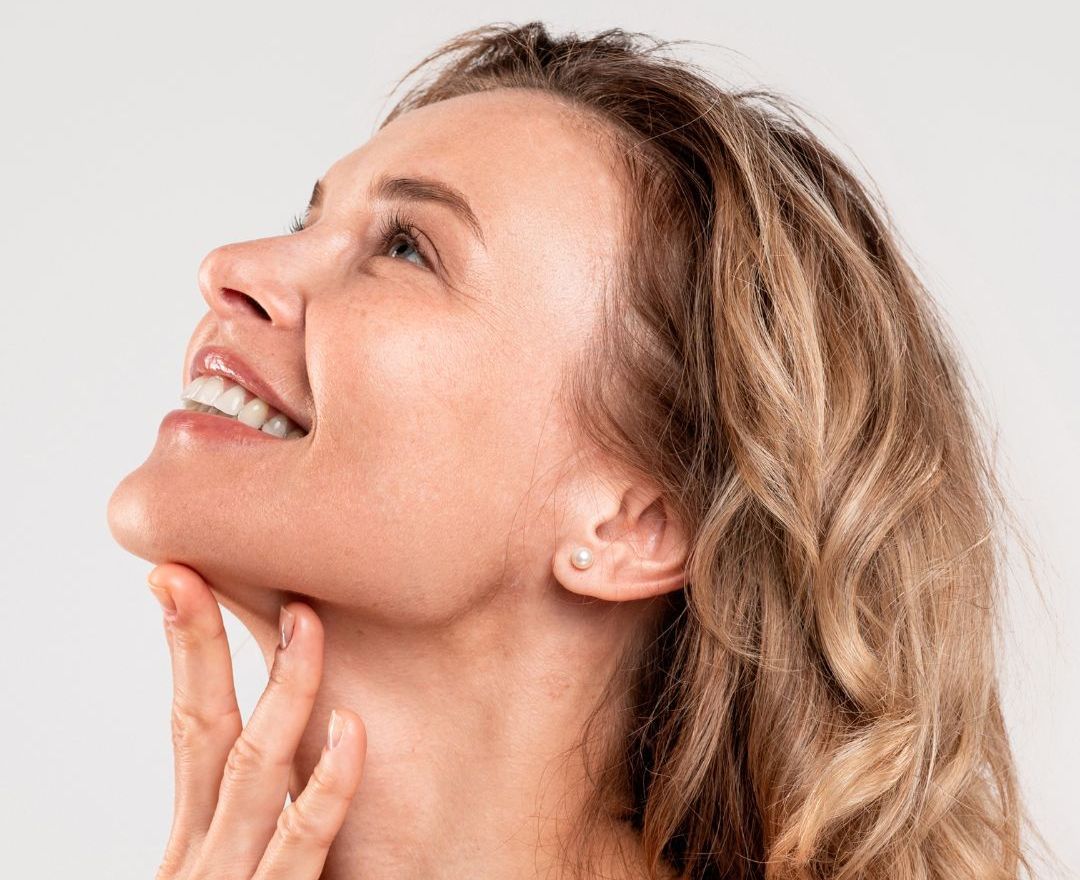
(390, 229)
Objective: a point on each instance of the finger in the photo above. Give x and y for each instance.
(307, 827)
(205, 717)
(256, 777)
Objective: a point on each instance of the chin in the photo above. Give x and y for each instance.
(161, 514)
(135, 519)
(151, 517)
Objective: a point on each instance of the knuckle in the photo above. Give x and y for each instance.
(197, 633)
(297, 685)
(325, 782)
(280, 677)
(246, 759)
(193, 723)
(300, 823)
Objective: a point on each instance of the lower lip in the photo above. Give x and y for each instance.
(210, 427)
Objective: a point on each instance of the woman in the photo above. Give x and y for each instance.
(592, 463)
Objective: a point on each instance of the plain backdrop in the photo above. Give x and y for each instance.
(138, 136)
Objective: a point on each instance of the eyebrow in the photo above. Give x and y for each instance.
(413, 189)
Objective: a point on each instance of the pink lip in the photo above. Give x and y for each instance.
(221, 361)
(209, 426)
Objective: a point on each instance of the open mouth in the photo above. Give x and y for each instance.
(222, 397)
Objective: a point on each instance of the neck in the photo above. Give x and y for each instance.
(474, 762)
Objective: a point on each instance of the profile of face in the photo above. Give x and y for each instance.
(421, 369)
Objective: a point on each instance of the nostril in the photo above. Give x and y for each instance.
(245, 301)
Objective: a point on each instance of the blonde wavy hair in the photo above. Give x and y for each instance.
(821, 699)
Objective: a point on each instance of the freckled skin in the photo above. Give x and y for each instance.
(421, 516)
(434, 412)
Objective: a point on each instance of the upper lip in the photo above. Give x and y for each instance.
(223, 362)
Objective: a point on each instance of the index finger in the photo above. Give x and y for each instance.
(206, 719)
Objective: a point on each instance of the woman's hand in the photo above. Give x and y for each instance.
(231, 780)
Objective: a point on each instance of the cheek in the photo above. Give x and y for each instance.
(407, 413)
(430, 431)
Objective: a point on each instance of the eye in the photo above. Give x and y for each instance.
(396, 230)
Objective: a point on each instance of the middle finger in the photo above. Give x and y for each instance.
(256, 777)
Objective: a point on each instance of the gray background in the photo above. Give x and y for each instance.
(137, 137)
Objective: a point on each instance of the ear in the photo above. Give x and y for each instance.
(638, 548)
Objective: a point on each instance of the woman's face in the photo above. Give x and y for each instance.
(426, 372)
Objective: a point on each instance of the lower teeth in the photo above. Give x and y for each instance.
(208, 408)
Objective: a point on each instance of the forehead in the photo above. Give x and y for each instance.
(527, 162)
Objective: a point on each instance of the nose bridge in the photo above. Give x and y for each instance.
(253, 278)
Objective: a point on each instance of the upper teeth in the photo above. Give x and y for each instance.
(217, 394)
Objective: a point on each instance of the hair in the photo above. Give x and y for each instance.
(820, 700)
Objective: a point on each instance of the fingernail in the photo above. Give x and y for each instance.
(165, 598)
(288, 619)
(334, 729)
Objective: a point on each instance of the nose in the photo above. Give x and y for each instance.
(250, 279)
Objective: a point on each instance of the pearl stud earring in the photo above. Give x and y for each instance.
(581, 558)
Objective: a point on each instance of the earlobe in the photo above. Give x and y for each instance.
(581, 558)
(620, 543)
